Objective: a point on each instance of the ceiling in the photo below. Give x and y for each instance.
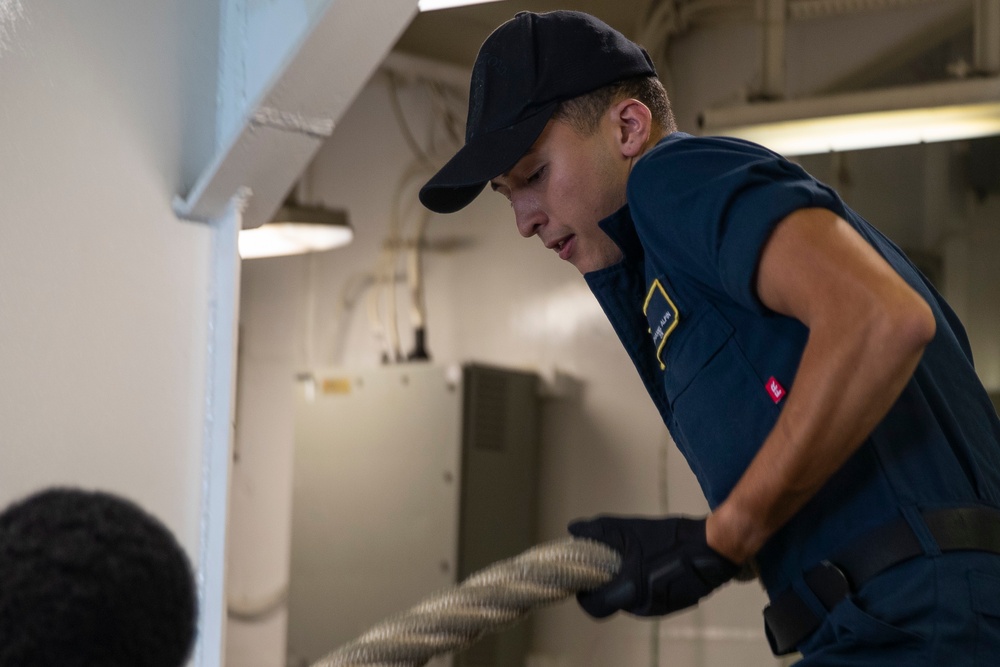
(454, 35)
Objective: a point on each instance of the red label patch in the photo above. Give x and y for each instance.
(775, 390)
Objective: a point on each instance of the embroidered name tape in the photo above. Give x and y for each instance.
(662, 315)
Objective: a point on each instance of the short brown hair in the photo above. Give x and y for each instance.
(584, 113)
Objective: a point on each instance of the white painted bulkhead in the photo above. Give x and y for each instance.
(105, 311)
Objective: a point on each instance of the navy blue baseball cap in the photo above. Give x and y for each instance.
(524, 69)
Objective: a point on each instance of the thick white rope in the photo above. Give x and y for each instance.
(489, 600)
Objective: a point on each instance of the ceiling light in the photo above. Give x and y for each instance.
(431, 5)
(295, 230)
(891, 117)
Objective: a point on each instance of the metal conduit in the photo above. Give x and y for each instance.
(485, 602)
(986, 37)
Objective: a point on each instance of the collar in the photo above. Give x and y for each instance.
(621, 229)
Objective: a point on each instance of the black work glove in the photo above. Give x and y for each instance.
(666, 565)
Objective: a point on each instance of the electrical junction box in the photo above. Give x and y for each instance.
(407, 479)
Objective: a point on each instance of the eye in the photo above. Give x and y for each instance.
(535, 175)
(503, 190)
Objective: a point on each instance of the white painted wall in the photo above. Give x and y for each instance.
(108, 111)
(498, 298)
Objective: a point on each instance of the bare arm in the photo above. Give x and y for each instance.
(867, 331)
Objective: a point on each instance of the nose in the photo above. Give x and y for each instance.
(528, 216)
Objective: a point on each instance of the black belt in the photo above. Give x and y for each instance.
(788, 620)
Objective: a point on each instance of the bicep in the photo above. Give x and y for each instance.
(816, 268)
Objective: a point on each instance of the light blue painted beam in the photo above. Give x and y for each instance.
(277, 135)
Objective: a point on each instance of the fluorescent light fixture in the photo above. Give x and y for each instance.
(891, 117)
(431, 5)
(296, 230)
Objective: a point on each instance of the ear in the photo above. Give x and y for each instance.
(633, 124)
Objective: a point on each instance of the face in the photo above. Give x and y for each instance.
(563, 186)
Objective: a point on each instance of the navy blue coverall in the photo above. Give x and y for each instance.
(718, 365)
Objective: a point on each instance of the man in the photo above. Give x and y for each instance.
(820, 388)
(89, 579)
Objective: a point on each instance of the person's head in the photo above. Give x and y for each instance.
(88, 578)
(561, 105)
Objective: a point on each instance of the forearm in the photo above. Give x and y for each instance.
(868, 329)
(842, 390)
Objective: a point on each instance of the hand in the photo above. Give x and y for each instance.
(666, 565)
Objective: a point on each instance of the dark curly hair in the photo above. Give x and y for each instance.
(89, 579)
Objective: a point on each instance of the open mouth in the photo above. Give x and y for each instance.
(564, 247)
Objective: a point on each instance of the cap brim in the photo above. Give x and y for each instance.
(464, 176)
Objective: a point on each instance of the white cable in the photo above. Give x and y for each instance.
(252, 610)
(355, 285)
(381, 302)
(415, 273)
(418, 152)
(385, 286)
(394, 244)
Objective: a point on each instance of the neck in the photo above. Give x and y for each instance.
(654, 138)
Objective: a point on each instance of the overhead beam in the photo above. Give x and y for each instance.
(286, 126)
(898, 54)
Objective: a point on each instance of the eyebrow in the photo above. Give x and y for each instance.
(533, 149)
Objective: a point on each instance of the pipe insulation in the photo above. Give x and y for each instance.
(487, 601)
